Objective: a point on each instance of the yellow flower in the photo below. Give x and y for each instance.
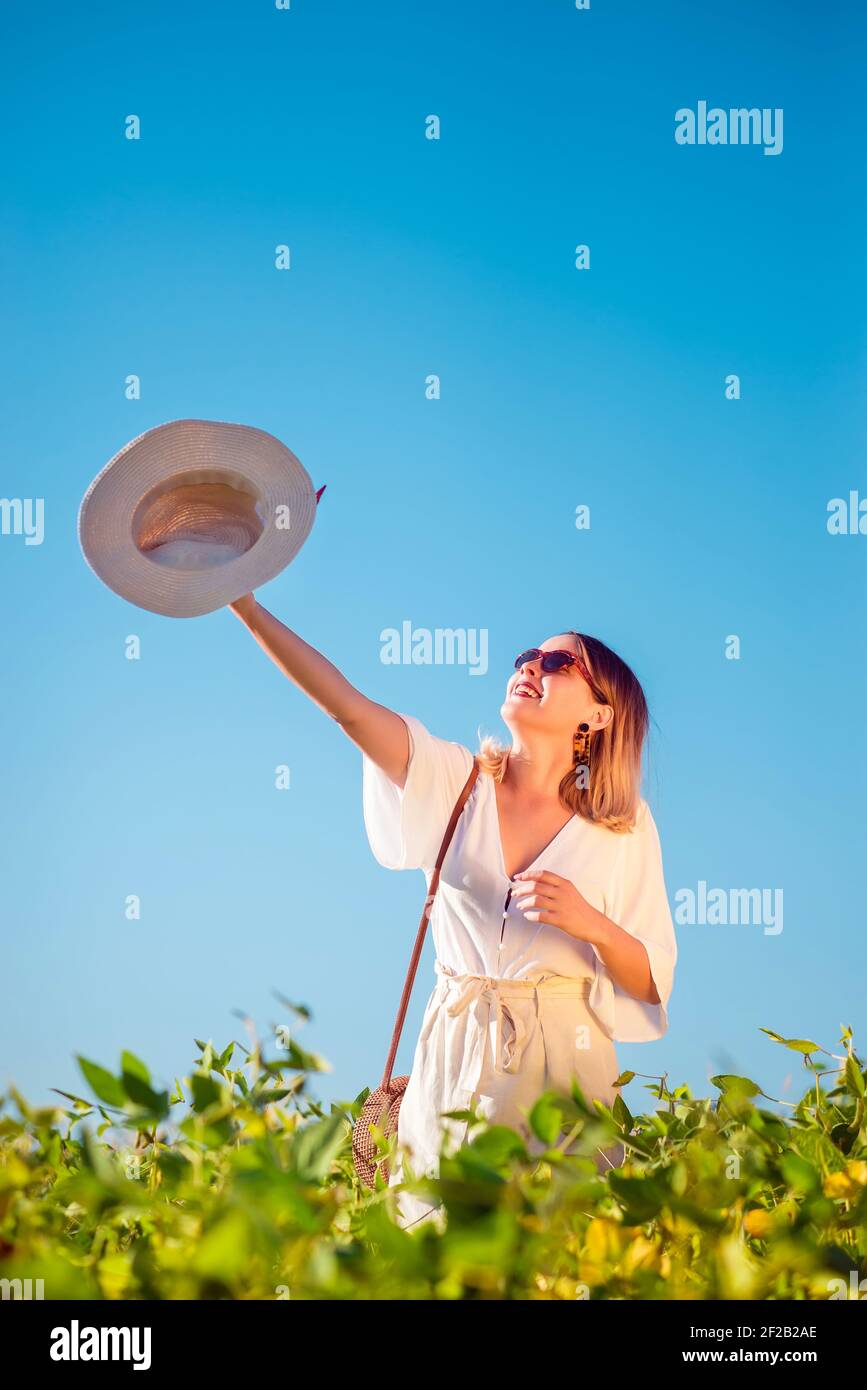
(758, 1223)
(841, 1185)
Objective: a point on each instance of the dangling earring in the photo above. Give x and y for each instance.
(581, 750)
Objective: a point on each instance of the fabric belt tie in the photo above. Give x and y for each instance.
(517, 1007)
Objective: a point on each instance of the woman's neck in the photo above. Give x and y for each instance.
(534, 773)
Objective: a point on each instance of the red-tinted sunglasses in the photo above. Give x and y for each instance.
(553, 661)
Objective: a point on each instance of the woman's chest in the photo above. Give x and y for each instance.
(525, 831)
(488, 849)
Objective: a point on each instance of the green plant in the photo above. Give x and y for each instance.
(236, 1184)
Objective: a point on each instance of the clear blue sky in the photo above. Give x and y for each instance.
(559, 387)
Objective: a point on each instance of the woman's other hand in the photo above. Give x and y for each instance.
(544, 896)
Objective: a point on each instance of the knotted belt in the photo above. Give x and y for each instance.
(517, 1010)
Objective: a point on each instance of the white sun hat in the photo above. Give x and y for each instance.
(192, 514)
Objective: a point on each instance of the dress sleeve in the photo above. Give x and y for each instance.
(639, 904)
(405, 825)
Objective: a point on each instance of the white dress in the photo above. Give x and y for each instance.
(518, 1006)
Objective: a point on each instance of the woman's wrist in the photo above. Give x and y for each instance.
(596, 928)
(245, 608)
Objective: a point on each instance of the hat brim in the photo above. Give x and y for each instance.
(286, 503)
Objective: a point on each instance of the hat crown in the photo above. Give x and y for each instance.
(192, 520)
(192, 514)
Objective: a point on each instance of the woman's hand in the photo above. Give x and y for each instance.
(556, 900)
(547, 897)
(244, 607)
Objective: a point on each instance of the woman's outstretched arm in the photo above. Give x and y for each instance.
(376, 730)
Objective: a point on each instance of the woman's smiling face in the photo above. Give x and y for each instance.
(557, 701)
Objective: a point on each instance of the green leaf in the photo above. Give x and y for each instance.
(739, 1085)
(821, 1151)
(495, 1147)
(621, 1113)
(205, 1090)
(317, 1145)
(131, 1064)
(546, 1120)
(270, 1097)
(854, 1077)
(301, 1009)
(796, 1044)
(800, 1174)
(223, 1253)
(298, 1060)
(107, 1087)
(77, 1101)
(642, 1197)
(136, 1080)
(156, 1103)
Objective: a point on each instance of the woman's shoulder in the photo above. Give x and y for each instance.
(644, 827)
(627, 849)
(415, 722)
(641, 843)
(405, 824)
(432, 756)
(436, 743)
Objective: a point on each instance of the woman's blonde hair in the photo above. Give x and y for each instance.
(613, 793)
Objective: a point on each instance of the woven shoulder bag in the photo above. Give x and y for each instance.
(382, 1106)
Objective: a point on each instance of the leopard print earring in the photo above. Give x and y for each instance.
(581, 749)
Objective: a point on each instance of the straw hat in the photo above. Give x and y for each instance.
(190, 515)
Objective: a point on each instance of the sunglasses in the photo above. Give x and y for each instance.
(555, 660)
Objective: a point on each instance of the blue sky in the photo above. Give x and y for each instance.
(559, 388)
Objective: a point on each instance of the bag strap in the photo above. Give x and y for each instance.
(422, 926)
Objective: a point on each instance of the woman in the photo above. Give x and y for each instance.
(551, 925)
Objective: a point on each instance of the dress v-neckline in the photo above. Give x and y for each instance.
(499, 836)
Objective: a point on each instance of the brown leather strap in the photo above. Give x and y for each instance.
(422, 926)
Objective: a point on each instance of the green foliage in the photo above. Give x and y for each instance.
(238, 1185)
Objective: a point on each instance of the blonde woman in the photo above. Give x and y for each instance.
(551, 926)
